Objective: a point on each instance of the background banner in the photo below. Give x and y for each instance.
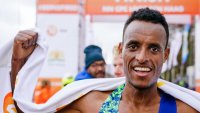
(58, 21)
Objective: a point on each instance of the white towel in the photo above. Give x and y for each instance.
(27, 79)
(6, 103)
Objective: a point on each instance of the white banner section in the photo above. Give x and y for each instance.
(61, 31)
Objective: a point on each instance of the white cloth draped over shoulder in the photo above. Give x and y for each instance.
(28, 75)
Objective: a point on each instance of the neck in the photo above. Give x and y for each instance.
(140, 97)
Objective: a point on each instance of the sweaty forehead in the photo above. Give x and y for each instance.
(145, 28)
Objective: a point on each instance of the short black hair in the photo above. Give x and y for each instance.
(148, 15)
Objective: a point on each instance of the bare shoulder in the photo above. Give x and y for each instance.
(93, 101)
(97, 95)
(184, 108)
(89, 103)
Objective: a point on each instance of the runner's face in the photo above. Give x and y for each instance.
(97, 69)
(144, 53)
(118, 66)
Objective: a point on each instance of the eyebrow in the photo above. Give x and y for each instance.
(155, 44)
(132, 42)
(150, 44)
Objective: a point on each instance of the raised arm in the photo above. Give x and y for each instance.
(24, 44)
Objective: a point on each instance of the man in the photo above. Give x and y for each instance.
(117, 61)
(144, 50)
(44, 93)
(94, 64)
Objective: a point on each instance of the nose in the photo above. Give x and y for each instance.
(141, 56)
(100, 67)
(118, 69)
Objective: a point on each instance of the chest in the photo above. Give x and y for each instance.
(114, 104)
(128, 108)
(92, 106)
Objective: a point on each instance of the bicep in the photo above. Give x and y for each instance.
(71, 108)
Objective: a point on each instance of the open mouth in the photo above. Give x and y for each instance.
(142, 71)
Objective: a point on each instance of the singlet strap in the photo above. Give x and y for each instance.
(111, 104)
(167, 104)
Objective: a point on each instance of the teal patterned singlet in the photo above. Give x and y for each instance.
(111, 104)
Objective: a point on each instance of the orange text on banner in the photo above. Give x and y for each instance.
(127, 6)
(57, 6)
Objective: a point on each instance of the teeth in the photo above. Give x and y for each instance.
(142, 69)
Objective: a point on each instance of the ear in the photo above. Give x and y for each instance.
(120, 48)
(166, 54)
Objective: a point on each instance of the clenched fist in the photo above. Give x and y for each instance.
(24, 44)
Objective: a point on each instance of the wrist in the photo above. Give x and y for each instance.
(17, 58)
(14, 59)
(17, 64)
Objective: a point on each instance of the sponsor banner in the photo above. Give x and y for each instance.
(58, 21)
(97, 7)
(61, 31)
(57, 6)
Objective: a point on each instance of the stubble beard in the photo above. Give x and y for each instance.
(139, 87)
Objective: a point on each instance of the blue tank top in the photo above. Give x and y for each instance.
(111, 104)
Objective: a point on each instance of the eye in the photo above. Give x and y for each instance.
(154, 49)
(133, 46)
(93, 65)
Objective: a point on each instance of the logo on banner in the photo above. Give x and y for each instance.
(52, 30)
(56, 58)
(8, 104)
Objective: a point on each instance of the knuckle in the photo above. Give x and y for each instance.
(21, 31)
(17, 37)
